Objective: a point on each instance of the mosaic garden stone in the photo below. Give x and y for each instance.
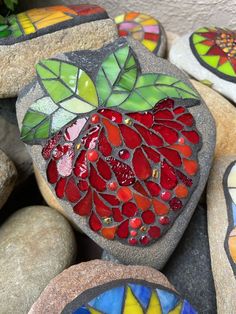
(144, 28)
(103, 287)
(36, 244)
(209, 54)
(40, 33)
(8, 176)
(221, 202)
(224, 114)
(121, 145)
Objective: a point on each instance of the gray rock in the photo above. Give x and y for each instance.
(10, 141)
(19, 55)
(8, 175)
(36, 244)
(189, 268)
(221, 231)
(158, 253)
(182, 56)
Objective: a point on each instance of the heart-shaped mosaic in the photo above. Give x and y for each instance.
(215, 49)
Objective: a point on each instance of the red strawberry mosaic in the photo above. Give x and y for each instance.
(129, 174)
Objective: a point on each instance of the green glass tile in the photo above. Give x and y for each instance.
(227, 68)
(52, 65)
(211, 60)
(122, 55)
(111, 69)
(166, 79)
(168, 90)
(151, 94)
(146, 79)
(202, 49)
(60, 118)
(44, 105)
(5, 33)
(32, 118)
(26, 134)
(103, 86)
(185, 87)
(116, 99)
(131, 62)
(202, 30)
(184, 95)
(3, 27)
(127, 80)
(76, 105)
(44, 73)
(68, 74)
(86, 89)
(56, 90)
(42, 131)
(135, 103)
(197, 38)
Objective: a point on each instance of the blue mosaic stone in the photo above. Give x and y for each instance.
(167, 299)
(142, 293)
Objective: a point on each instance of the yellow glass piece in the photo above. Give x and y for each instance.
(150, 45)
(26, 24)
(154, 305)
(177, 309)
(232, 244)
(34, 19)
(131, 304)
(119, 19)
(136, 29)
(93, 311)
(149, 22)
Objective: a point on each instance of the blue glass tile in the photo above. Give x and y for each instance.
(142, 293)
(81, 310)
(234, 213)
(110, 301)
(167, 299)
(187, 308)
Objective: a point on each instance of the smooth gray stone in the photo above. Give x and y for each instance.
(157, 254)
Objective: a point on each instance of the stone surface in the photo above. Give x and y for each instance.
(18, 60)
(36, 244)
(157, 254)
(225, 281)
(78, 278)
(174, 15)
(10, 141)
(189, 268)
(224, 114)
(8, 175)
(182, 56)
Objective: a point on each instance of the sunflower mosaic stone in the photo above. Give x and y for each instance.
(103, 287)
(221, 201)
(209, 54)
(120, 144)
(144, 28)
(39, 33)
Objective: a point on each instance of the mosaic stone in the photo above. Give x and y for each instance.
(230, 195)
(211, 57)
(124, 154)
(35, 22)
(144, 28)
(41, 32)
(221, 230)
(131, 296)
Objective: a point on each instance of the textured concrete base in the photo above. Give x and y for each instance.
(18, 60)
